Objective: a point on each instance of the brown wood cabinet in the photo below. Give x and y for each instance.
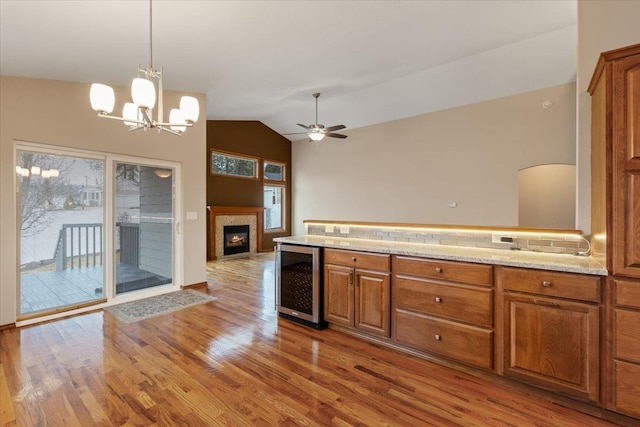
(615, 140)
(615, 218)
(445, 308)
(357, 291)
(624, 344)
(550, 341)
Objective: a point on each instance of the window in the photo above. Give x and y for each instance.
(274, 174)
(274, 171)
(274, 207)
(235, 165)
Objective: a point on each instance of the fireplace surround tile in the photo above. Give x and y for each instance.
(219, 216)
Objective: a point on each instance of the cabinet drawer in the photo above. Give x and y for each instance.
(462, 272)
(467, 344)
(564, 285)
(627, 335)
(627, 389)
(458, 302)
(628, 293)
(358, 259)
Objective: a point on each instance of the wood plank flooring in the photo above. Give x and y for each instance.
(230, 362)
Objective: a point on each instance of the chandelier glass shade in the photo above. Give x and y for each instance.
(146, 89)
(36, 170)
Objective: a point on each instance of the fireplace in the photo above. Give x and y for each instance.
(236, 239)
(223, 216)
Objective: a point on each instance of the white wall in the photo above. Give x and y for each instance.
(59, 113)
(602, 25)
(409, 170)
(547, 196)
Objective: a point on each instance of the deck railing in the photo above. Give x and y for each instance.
(80, 245)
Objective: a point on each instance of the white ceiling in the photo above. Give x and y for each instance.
(373, 61)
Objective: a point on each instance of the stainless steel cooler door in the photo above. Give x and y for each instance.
(298, 290)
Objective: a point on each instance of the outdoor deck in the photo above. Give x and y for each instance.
(45, 290)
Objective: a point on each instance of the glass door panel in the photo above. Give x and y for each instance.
(61, 217)
(144, 226)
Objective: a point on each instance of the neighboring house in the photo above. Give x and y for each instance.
(91, 196)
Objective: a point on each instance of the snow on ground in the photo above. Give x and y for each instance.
(41, 246)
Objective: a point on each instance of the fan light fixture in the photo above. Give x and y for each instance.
(316, 135)
(139, 113)
(316, 132)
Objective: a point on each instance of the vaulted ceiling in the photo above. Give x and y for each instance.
(373, 61)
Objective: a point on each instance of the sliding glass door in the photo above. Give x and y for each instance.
(143, 226)
(93, 227)
(60, 217)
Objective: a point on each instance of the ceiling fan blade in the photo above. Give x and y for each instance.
(336, 135)
(304, 126)
(336, 127)
(295, 133)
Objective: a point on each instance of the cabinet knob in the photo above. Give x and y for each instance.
(353, 258)
(437, 337)
(438, 299)
(546, 283)
(438, 270)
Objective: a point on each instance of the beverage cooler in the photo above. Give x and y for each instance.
(299, 296)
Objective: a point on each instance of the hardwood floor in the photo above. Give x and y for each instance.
(230, 362)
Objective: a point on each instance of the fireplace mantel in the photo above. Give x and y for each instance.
(217, 211)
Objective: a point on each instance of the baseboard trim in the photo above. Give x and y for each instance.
(7, 326)
(195, 285)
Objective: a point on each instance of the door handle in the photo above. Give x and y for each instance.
(351, 278)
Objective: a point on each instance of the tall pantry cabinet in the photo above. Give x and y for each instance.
(615, 217)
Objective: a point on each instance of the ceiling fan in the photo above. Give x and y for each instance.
(317, 131)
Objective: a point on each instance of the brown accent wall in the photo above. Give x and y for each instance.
(254, 139)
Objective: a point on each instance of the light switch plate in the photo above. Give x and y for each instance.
(192, 216)
(328, 228)
(344, 229)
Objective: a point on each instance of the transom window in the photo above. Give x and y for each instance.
(274, 171)
(236, 165)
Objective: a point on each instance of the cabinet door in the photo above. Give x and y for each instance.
(372, 302)
(552, 343)
(626, 166)
(338, 294)
(627, 395)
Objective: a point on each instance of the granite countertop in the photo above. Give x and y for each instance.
(526, 259)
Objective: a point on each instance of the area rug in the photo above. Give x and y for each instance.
(158, 305)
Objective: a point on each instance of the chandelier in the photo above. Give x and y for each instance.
(138, 114)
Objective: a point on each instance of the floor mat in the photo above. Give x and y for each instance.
(157, 305)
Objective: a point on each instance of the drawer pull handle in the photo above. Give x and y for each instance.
(437, 337)
(546, 283)
(438, 270)
(547, 303)
(438, 299)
